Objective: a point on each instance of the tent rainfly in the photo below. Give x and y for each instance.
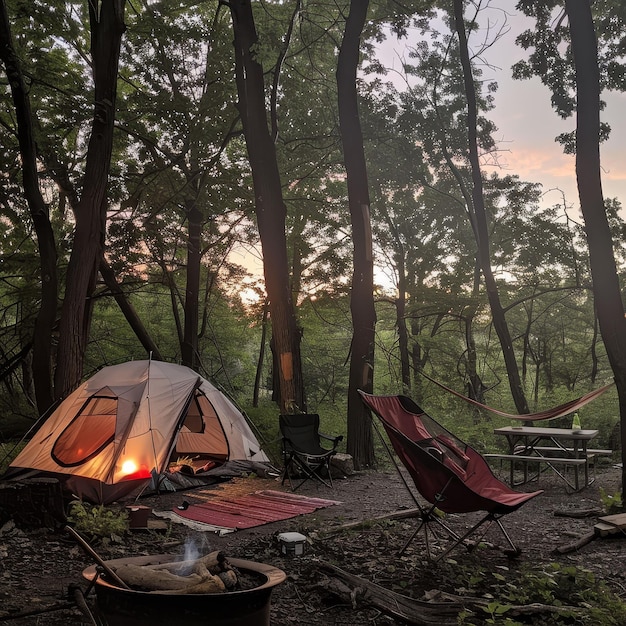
(120, 429)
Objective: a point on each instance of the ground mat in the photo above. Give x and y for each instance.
(254, 509)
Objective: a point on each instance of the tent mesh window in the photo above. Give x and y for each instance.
(88, 433)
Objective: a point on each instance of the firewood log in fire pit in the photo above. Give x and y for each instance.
(211, 573)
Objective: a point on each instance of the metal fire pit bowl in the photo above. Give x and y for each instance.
(127, 607)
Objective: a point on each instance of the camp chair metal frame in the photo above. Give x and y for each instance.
(303, 453)
(452, 476)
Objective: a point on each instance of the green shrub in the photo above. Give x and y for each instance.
(580, 597)
(612, 502)
(97, 521)
(8, 451)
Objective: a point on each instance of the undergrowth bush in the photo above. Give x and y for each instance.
(97, 520)
(576, 594)
(8, 451)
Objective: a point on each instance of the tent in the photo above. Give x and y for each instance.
(121, 428)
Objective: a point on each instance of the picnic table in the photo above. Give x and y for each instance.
(555, 448)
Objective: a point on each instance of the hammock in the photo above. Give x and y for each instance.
(549, 414)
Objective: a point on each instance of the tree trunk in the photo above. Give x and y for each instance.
(403, 333)
(399, 255)
(481, 230)
(475, 386)
(46, 317)
(359, 441)
(134, 321)
(259, 365)
(606, 287)
(107, 28)
(269, 206)
(189, 347)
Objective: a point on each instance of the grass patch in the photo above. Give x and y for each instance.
(576, 595)
(8, 451)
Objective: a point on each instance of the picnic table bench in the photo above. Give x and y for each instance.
(567, 448)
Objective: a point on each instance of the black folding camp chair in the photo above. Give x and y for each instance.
(304, 456)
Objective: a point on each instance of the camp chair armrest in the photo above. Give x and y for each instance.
(336, 439)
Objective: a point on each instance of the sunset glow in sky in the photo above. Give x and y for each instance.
(527, 125)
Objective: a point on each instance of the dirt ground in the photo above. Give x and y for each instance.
(40, 568)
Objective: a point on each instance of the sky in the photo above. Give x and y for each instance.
(527, 124)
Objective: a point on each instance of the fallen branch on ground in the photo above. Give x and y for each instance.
(582, 540)
(404, 514)
(578, 513)
(356, 590)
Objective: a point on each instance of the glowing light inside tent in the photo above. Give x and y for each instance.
(129, 467)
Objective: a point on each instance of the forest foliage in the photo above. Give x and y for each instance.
(179, 173)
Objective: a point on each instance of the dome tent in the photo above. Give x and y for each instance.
(118, 430)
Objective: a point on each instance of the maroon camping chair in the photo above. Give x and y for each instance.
(447, 472)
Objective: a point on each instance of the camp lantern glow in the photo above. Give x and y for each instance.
(129, 467)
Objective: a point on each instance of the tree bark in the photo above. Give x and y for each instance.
(261, 359)
(359, 441)
(481, 231)
(269, 206)
(134, 321)
(189, 347)
(399, 255)
(46, 317)
(606, 288)
(107, 27)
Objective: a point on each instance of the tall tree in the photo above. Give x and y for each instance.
(479, 219)
(180, 126)
(360, 444)
(269, 207)
(46, 318)
(606, 285)
(106, 18)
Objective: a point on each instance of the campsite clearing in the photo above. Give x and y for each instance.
(38, 566)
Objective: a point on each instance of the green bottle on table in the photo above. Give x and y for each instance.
(576, 422)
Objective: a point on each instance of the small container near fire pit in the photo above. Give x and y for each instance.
(291, 544)
(138, 516)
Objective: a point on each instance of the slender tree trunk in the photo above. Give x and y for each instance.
(269, 206)
(107, 27)
(360, 443)
(189, 346)
(128, 310)
(59, 174)
(261, 359)
(475, 386)
(606, 286)
(46, 317)
(399, 257)
(403, 333)
(481, 230)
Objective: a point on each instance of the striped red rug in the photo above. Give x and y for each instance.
(254, 509)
